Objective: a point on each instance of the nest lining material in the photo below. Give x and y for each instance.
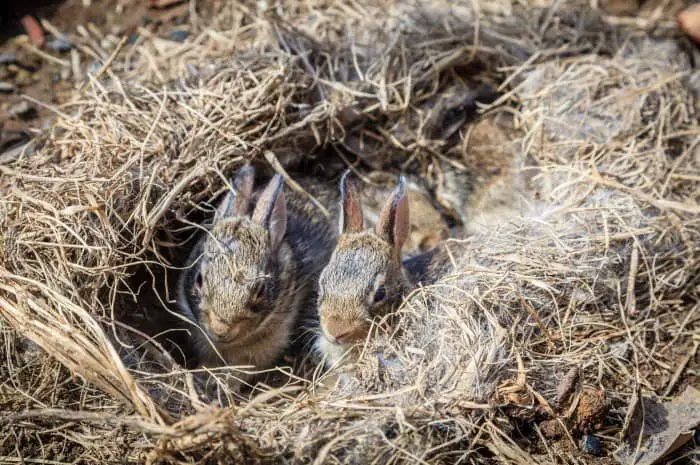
(600, 270)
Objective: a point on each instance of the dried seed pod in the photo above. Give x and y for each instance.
(567, 386)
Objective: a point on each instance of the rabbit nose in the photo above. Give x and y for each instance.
(219, 327)
(343, 338)
(344, 332)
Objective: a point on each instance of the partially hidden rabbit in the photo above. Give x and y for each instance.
(252, 277)
(366, 277)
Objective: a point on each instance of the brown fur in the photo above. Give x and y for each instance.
(427, 226)
(258, 275)
(492, 187)
(361, 262)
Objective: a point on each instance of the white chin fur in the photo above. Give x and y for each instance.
(332, 353)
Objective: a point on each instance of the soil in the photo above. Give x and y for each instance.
(32, 82)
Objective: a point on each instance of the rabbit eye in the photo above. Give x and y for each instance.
(198, 282)
(453, 114)
(380, 294)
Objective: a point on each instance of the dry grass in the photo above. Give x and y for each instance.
(600, 273)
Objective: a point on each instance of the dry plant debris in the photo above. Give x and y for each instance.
(598, 270)
(656, 429)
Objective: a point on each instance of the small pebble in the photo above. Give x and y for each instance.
(20, 110)
(59, 45)
(591, 445)
(178, 36)
(6, 87)
(8, 58)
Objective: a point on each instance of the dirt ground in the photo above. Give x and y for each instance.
(78, 36)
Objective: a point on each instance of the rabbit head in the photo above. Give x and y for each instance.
(364, 278)
(239, 282)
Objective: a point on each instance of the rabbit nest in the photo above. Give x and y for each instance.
(551, 321)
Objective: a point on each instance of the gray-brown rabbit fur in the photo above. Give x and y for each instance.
(253, 276)
(365, 277)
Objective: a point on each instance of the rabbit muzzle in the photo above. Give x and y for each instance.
(224, 332)
(342, 332)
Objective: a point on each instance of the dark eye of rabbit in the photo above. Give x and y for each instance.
(380, 294)
(453, 115)
(198, 281)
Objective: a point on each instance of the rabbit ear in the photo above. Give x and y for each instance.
(393, 224)
(350, 208)
(271, 210)
(238, 203)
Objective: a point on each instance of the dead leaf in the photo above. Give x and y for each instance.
(656, 429)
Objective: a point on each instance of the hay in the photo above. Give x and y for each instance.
(599, 273)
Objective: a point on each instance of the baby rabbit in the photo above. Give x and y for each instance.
(252, 276)
(365, 277)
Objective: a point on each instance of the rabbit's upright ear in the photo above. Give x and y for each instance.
(271, 211)
(238, 203)
(393, 225)
(350, 209)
